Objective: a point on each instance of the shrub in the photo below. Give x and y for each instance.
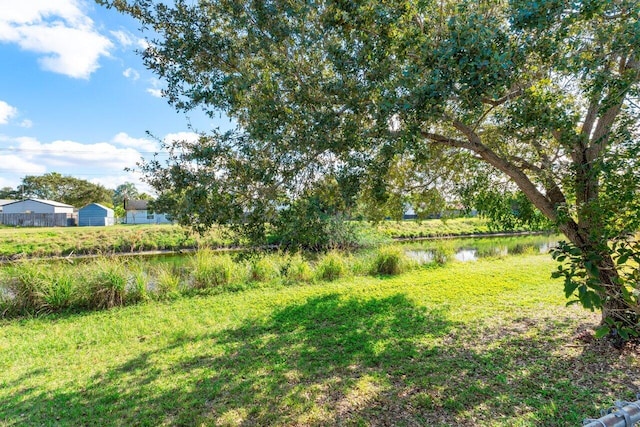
(136, 290)
(308, 224)
(297, 269)
(167, 281)
(25, 286)
(211, 270)
(107, 282)
(332, 266)
(59, 291)
(443, 252)
(390, 260)
(264, 269)
(39, 288)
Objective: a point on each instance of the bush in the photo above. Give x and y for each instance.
(296, 269)
(264, 269)
(390, 260)
(39, 288)
(308, 225)
(25, 286)
(107, 283)
(332, 266)
(167, 281)
(211, 270)
(60, 291)
(136, 290)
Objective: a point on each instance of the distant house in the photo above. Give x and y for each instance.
(138, 212)
(95, 214)
(37, 213)
(36, 206)
(5, 202)
(409, 212)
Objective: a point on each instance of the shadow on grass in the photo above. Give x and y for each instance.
(336, 360)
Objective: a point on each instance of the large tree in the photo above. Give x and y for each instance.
(65, 189)
(124, 191)
(544, 92)
(8, 193)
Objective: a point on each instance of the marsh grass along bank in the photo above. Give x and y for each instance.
(30, 287)
(44, 287)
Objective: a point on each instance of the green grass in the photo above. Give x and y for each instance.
(62, 241)
(436, 227)
(488, 343)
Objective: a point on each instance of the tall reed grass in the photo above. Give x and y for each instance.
(33, 288)
(391, 260)
(209, 269)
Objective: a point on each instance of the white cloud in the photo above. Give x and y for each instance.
(142, 43)
(155, 92)
(155, 89)
(141, 144)
(130, 73)
(59, 31)
(113, 181)
(124, 38)
(6, 112)
(61, 153)
(103, 162)
(13, 164)
(26, 123)
(181, 136)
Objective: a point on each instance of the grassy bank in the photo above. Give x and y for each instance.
(61, 241)
(488, 343)
(438, 228)
(18, 243)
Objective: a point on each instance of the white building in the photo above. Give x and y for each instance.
(138, 212)
(5, 202)
(36, 206)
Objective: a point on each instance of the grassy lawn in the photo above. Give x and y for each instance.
(486, 343)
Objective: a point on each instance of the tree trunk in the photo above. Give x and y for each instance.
(615, 307)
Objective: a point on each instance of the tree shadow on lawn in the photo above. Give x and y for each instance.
(337, 361)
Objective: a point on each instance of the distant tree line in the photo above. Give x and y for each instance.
(72, 191)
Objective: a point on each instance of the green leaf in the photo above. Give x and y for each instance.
(602, 331)
(570, 287)
(624, 333)
(623, 258)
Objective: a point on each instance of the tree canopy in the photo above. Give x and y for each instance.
(541, 96)
(124, 191)
(65, 189)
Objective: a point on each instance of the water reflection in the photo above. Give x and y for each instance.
(466, 250)
(466, 254)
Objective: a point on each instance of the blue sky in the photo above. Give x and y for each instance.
(75, 97)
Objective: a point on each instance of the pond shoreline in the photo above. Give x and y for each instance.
(474, 236)
(160, 252)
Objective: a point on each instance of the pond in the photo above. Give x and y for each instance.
(472, 249)
(424, 252)
(443, 250)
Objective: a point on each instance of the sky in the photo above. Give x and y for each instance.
(75, 97)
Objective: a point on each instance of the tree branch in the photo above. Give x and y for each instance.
(474, 144)
(516, 92)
